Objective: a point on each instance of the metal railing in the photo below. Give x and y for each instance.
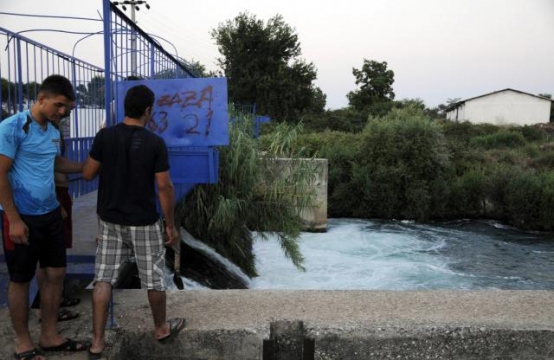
(128, 51)
(24, 63)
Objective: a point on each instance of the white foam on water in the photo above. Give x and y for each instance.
(401, 255)
(349, 256)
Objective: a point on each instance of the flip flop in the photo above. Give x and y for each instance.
(175, 326)
(95, 356)
(69, 302)
(28, 355)
(65, 315)
(67, 345)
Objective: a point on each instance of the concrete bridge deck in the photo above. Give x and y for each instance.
(233, 324)
(324, 325)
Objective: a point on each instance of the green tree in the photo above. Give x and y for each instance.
(200, 70)
(375, 94)
(346, 119)
(9, 95)
(438, 112)
(415, 103)
(30, 90)
(452, 101)
(95, 91)
(193, 67)
(262, 65)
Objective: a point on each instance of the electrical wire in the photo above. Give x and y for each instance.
(50, 16)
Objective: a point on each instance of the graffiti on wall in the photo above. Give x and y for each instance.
(187, 112)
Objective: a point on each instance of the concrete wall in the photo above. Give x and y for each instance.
(503, 108)
(315, 218)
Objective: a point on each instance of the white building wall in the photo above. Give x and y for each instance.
(504, 108)
(458, 114)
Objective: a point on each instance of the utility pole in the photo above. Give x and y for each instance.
(134, 4)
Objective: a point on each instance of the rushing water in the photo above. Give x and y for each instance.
(395, 255)
(391, 255)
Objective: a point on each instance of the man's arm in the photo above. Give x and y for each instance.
(19, 232)
(65, 166)
(166, 196)
(91, 168)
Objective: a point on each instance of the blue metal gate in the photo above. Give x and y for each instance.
(24, 63)
(129, 53)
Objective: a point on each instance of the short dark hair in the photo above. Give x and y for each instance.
(57, 85)
(137, 99)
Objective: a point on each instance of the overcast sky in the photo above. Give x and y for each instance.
(438, 49)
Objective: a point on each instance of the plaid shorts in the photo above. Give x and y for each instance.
(118, 243)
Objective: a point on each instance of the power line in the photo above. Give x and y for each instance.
(50, 16)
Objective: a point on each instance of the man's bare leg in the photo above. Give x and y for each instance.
(18, 303)
(157, 300)
(50, 299)
(100, 302)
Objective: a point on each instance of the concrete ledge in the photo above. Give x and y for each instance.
(233, 324)
(436, 343)
(234, 344)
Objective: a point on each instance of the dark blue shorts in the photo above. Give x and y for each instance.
(46, 245)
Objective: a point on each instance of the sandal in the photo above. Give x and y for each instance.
(69, 302)
(28, 355)
(67, 345)
(65, 315)
(175, 326)
(95, 356)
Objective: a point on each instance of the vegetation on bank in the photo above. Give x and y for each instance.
(407, 165)
(388, 159)
(255, 196)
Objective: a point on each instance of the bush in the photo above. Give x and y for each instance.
(404, 168)
(252, 194)
(530, 200)
(347, 120)
(341, 150)
(532, 150)
(531, 133)
(547, 201)
(500, 139)
(523, 199)
(545, 160)
(468, 195)
(462, 132)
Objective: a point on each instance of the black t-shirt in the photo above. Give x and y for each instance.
(130, 156)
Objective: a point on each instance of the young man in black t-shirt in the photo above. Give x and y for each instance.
(131, 160)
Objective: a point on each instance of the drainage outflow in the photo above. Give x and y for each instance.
(287, 341)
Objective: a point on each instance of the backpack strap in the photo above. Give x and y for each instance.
(27, 124)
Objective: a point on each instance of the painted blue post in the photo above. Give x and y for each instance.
(107, 62)
(75, 113)
(113, 324)
(152, 61)
(19, 75)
